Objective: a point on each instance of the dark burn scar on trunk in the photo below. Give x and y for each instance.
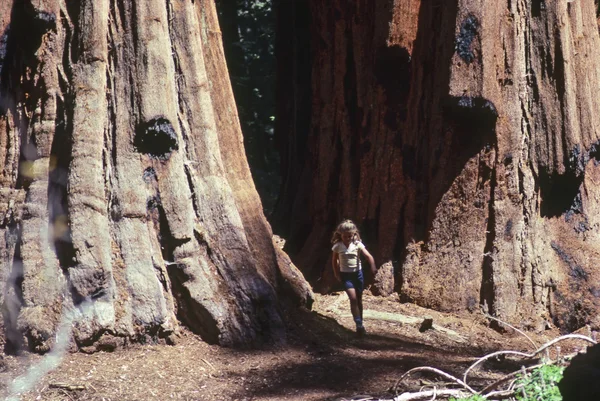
(465, 37)
(156, 138)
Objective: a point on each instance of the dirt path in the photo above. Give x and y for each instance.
(323, 360)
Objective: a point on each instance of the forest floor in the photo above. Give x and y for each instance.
(322, 360)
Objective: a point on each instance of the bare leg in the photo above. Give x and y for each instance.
(359, 302)
(354, 304)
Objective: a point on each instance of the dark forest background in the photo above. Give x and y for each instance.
(248, 28)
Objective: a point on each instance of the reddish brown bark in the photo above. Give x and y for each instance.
(461, 135)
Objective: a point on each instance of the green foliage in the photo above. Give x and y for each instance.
(249, 40)
(541, 384)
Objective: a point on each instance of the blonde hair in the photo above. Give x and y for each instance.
(346, 226)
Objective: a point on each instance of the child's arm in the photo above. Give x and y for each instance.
(371, 261)
(335, 263)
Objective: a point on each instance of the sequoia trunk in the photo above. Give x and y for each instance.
(126, 198)
(462, 137)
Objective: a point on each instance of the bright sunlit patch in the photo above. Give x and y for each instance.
(60, 228)
(52, 360)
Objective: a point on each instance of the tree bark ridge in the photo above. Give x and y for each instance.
(132, 159)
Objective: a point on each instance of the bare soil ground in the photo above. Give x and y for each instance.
(322, 360)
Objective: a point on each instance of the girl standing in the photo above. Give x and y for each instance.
(346, 267)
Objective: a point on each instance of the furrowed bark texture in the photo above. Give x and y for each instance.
(462, 136)
(126, 197)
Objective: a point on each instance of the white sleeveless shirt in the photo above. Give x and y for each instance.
(349, 260)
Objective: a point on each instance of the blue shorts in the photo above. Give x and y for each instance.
(353, 280)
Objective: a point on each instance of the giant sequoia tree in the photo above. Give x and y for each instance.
(125, 195)
(461, 134)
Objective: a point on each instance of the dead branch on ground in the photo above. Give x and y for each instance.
(487, 392)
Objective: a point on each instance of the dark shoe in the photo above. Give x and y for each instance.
(361, 331)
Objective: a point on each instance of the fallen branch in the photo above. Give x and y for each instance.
(439, 372)
(70, 387)
(488, 356)
(566, 337)
(431, 395)
(527, 355)
(487, 392)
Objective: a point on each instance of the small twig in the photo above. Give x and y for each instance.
(439, 372)
(67, 394)
(209, 364)
(535, 346)
(64, 386)
(508, 377)
(512, 384)
(434, 389)
(486, 357)
(500, 395)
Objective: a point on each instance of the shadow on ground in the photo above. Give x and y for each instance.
(337, 364)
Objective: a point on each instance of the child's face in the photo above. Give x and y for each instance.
(347, 237)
